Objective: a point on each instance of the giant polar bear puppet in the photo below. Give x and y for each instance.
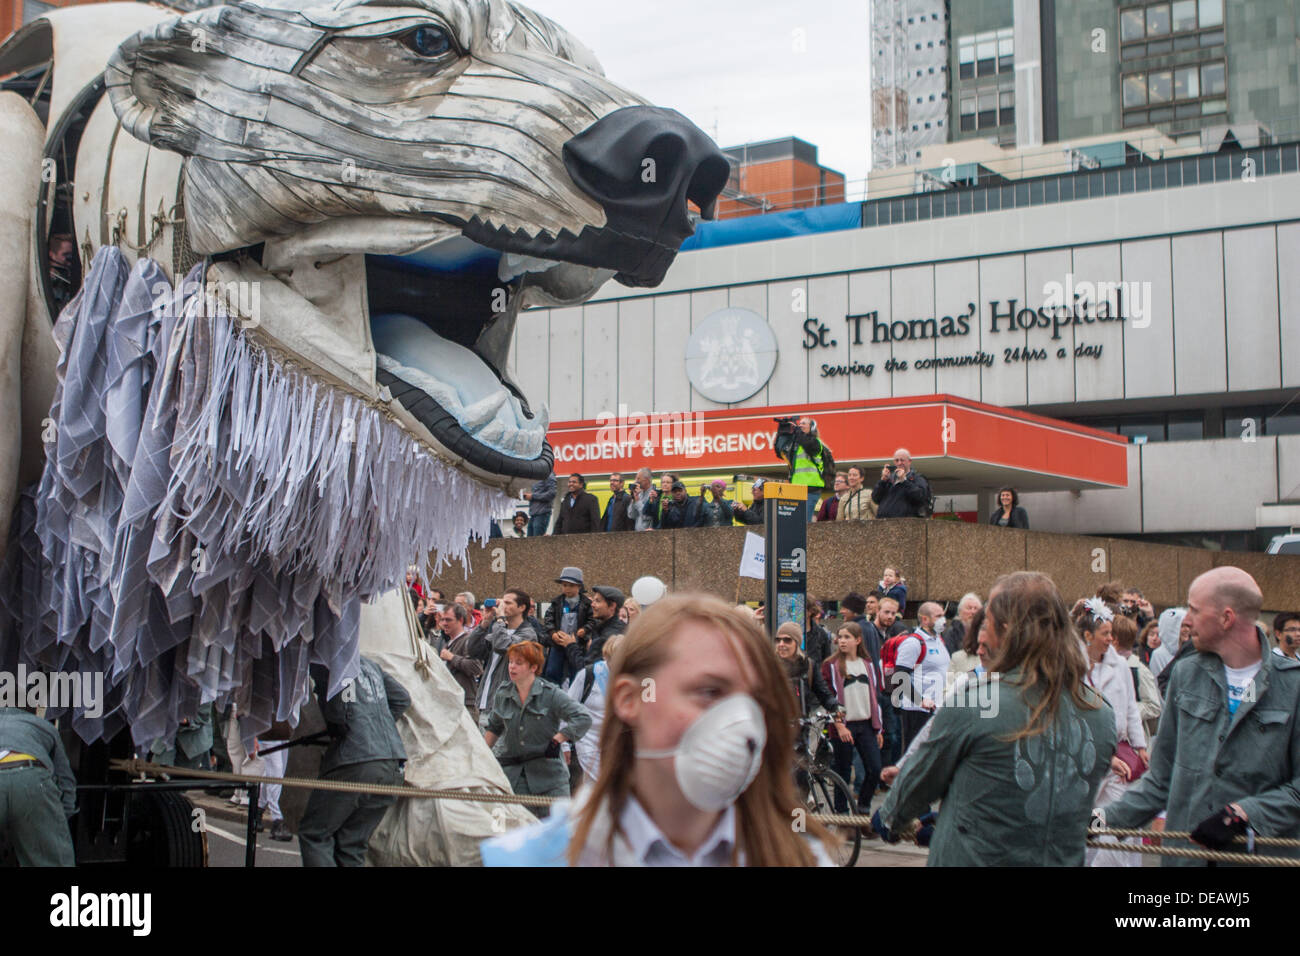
(303, 232)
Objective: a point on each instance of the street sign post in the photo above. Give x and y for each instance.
(786, 537)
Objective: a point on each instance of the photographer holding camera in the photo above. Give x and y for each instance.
(809, 459)
(901, 492)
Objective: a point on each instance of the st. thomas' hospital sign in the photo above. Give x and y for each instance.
(1067, 306)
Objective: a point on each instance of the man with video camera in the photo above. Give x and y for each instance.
(810, 461)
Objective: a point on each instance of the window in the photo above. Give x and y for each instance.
(1006, 51)
(1135, 90)
(1184, 15)
(988, 109)
(1212, 83)
(1186, 426)
(1132, 24)
(966, 58)
(1158, 20)
(1160, 87)
(1186, 84)
(986, 49)
(1006, 107)
(1211, 13)
(967, 113)
(1214, 106)
(1264, 420)
(1143, 430)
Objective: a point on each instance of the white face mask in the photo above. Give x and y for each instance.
(939, 624)
(720, 753)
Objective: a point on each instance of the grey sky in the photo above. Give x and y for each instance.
(733, 65)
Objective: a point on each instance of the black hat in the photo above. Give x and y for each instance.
(678, 485)
(854, 602)
(611, 594)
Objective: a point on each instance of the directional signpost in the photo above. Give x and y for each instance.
(786, 537)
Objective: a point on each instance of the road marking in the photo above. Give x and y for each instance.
(243, 842)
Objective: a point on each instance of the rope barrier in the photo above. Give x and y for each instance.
(1217, 856)
(1184, 835)
(137, 766)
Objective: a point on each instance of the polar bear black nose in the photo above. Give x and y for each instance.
(642, 164)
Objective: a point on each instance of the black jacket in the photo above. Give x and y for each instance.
(726, 512)
(622, 520)
(552, 620)
(809, 686)
(688, 514)
(592, 647)
(578, 515)
(903, 499)
(1019, 517)
(753, 513)
(817, 644)
(954, 635)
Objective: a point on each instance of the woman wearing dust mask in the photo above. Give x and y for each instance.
(696, 755)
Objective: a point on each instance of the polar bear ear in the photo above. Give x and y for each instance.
(152, 80)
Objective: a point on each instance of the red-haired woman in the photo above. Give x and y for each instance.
(531, 718)
(849, 674)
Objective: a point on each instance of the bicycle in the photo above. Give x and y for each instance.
(818, 784)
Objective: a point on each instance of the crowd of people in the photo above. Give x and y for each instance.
(995, 732)
(833, 495)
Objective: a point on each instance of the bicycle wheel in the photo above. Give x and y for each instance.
(848, 840)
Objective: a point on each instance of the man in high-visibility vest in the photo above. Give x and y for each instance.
(803, 451)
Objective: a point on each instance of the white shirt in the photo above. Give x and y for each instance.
(933, 677)
(588, 745)
(640, 844)
(483, 703)
(857, 696)
(1111, 677)
(1241, 684)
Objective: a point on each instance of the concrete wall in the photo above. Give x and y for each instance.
(1179, 486)
(940, 559)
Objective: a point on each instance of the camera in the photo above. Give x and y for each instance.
(786, 425)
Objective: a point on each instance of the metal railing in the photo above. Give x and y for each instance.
(1152, 150)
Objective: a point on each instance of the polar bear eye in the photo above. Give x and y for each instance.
(428, 41)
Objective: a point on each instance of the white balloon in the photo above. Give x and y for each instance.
(647, 590)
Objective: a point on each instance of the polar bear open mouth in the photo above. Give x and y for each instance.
(442, 324)
(425, 324)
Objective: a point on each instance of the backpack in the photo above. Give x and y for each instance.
(828, 467)
(889, 651)
(588, 682)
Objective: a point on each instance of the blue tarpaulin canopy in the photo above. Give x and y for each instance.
(776, 225)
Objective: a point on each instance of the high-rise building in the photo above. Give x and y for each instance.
(909, 79)
(1027, 72)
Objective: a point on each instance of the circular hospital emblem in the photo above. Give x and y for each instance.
(730, 355)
